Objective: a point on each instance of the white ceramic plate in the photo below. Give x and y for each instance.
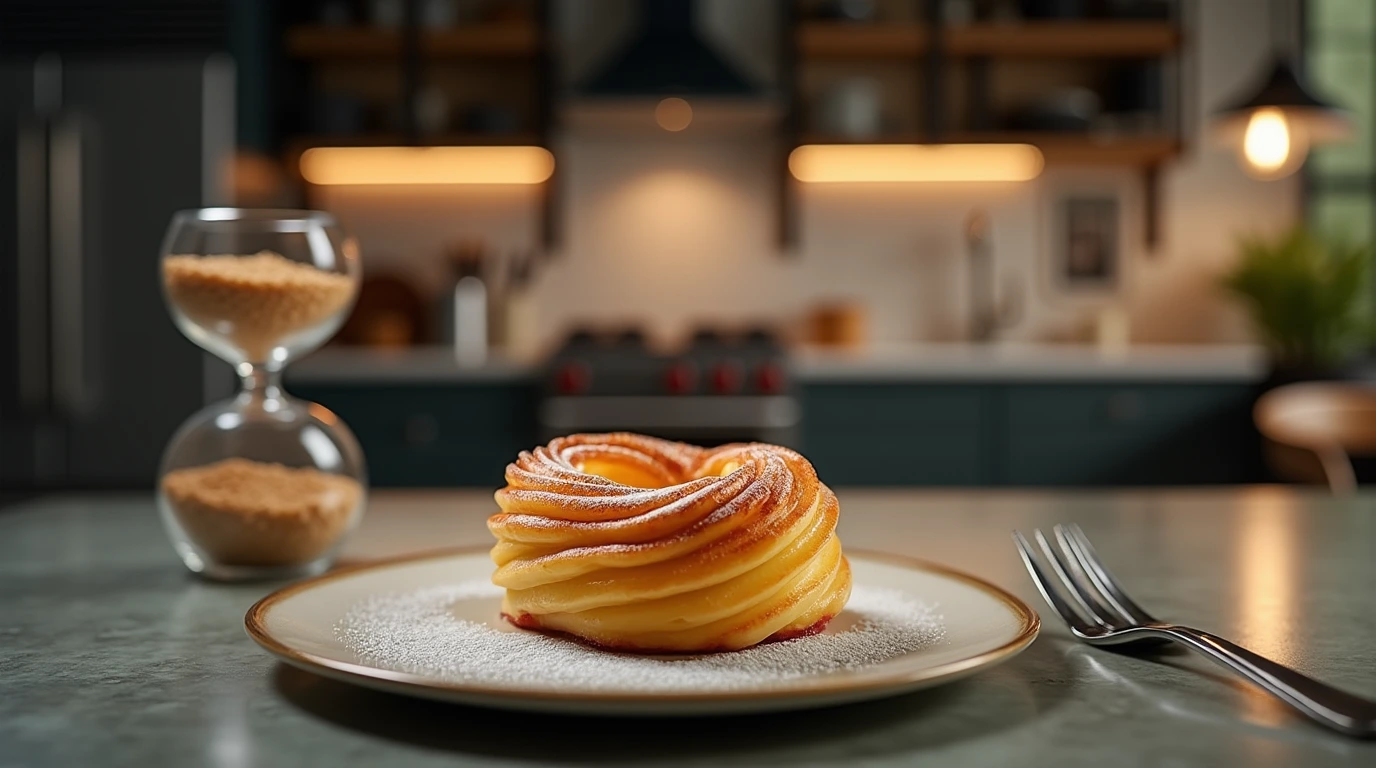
(983, 626)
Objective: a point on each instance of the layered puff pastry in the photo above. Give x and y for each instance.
(639, 544)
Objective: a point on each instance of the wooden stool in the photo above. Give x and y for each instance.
(1312, 430)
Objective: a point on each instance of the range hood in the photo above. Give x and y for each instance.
(667, 57)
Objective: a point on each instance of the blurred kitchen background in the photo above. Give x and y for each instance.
(926, 242)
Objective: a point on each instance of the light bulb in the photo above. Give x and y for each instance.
(1267, 141)
(1272, 146)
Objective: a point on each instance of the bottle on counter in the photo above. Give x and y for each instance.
(464, 306)
(519, 313)
(1113, 331)
(470, 321)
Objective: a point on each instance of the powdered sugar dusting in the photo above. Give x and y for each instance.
(418, 632)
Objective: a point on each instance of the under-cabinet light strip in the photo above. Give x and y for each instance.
(915, 162)
(427, 165)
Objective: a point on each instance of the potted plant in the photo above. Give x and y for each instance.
(1310, 299)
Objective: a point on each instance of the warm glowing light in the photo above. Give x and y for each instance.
(1267, 142)
(915, 162)
(426, 165)
(1268, 609)
(1272, 147)
(674, 114)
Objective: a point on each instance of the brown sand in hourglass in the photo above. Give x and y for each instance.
(245, 512)
(254, 300)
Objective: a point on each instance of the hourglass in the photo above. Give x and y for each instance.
(262, 485)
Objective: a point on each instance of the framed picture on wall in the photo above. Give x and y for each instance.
(1087, 251)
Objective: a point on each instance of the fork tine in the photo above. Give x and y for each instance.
(1059, 565)
(1047, 587)
(1084, 584)
(1108, 585)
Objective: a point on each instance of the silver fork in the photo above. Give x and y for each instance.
(1099, 612)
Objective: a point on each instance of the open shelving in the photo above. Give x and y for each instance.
(481, 40)
(960, 71)
(489, 79)
(1050, 39)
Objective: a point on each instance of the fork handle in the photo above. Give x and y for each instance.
(1332, 707)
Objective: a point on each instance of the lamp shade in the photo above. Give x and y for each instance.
(1284, 90)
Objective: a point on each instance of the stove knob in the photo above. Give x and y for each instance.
(681, 378)
(726, 378)
(573, 378)
(769, 378)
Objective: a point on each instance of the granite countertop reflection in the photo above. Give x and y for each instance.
(111, 654)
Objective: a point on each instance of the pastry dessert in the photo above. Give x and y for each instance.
(640, 544)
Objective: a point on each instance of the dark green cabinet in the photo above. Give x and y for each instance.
(857, 434)
(434, 435)
(1129, 434)
(878, 434)
(1030, 434)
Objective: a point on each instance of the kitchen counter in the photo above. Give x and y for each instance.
(111, 654)
(1034, 362)
(361, 365)
(996, 362)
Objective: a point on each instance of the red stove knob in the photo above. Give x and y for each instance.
(573, 378)
(726, 378)
(769, 378)
(681, 378)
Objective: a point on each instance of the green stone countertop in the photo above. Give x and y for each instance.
(111, 655)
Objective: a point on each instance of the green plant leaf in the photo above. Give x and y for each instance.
(1309, 298)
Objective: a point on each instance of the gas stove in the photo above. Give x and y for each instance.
(719, 387)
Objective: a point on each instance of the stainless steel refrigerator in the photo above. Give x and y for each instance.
(97, 150)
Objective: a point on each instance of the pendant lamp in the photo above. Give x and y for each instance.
(1275, 122)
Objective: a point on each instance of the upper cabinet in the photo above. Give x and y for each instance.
(349, 91)
(1088, 82)
(434, 72)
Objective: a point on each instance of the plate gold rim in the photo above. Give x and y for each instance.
(256, 625)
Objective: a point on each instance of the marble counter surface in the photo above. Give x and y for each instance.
(111, 655)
